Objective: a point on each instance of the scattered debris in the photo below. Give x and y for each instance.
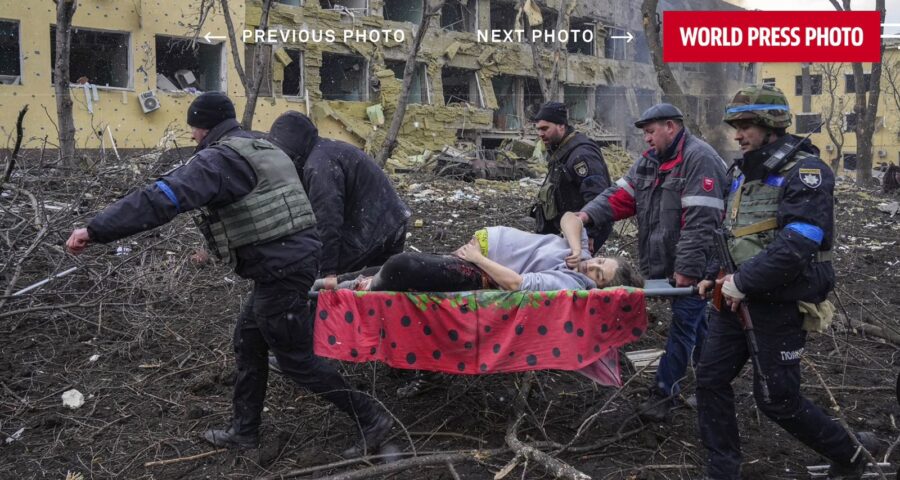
(73, 399)
(646, 361)
(15, 436)
(892, 207)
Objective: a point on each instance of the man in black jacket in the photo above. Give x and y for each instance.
(576, 173)
(360, 218)
(236, 180)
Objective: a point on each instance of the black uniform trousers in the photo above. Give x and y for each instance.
(724, 355)
(278, 318)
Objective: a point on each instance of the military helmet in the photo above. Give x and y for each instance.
(661, 111)
(763, 105)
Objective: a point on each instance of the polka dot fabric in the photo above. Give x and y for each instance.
(479, 332)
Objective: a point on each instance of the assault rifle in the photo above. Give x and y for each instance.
(728, 267)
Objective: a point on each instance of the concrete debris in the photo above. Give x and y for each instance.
(72, 399)
(891, 208)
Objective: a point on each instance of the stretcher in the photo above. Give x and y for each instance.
(486, 331)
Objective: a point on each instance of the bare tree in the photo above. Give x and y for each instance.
(390, 141)
(251, 77)
(833, 108)
(865, 106)
(65, 10)
(550, 88)
(667, 81)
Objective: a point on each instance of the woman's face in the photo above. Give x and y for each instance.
(599, 269)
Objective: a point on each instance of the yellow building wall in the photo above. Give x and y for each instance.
(887, 136)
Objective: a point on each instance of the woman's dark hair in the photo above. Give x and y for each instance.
(626, 275)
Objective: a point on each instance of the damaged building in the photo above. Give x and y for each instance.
(137, 65)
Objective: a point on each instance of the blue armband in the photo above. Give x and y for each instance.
(164, 187)
(809, 231)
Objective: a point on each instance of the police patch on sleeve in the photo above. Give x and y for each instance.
(811, 177)
(581, 169)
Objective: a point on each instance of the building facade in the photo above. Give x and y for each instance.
(136, 65)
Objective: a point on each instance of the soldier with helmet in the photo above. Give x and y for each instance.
(780, 222)
(676, 191)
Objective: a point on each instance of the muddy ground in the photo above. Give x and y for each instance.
(145, 335)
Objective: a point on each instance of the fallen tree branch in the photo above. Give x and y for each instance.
(389, 468)
(185, 459)
(556, 467)
(840, 419)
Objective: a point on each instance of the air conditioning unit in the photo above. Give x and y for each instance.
(149, 102)
(882, 153)
(829, 148)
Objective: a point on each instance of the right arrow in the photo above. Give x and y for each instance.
(629, 36)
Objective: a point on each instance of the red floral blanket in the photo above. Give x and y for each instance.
(484, 331)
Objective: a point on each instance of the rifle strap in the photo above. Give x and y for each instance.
(767, 224)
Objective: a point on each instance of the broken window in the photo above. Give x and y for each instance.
(506, 116)
(503, 15)
(815, 85)
(356, 7)
(850, 80)
(769, 82)
(182, 64)
(418, 89)
(343, 77)
(403, 10)
(582, 43)
(97, 57)
(10, 59)
(612, 105)
(460, 86)
(459, 15)
(615, 47)
(533, 97)
(577, 100)
(850, 120)
(265, 69)
(292, 84)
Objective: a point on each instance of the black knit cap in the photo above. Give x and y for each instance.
(209, 110)
(553, 112)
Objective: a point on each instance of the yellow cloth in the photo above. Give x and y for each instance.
(481, 236)
(817, 317)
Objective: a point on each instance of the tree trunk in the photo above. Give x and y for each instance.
(806, 87)
(65, 10)
(664, 76)
(256, 75)
(390, 141)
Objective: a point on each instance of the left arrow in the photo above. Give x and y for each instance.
(209, 37)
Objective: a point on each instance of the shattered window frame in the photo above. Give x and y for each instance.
(201, 50)
(506, 116)
(468, 16)
(266, 87)
(614, 48)
(363, 81)
(505, 21)
(301, 76)
(410, 13)
(11, 52)
(579, 109)
(474, 85)
(341, 3)
(768, 81)
(100, 58)
(578, 47)
(420, 76)
(815, 84)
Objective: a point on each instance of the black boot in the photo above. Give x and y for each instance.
(229, 439)
(373, 435)
(656, 407)
(857, 467)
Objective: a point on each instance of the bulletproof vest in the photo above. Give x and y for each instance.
(752, 217)
(277, 206)
(551, 200)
